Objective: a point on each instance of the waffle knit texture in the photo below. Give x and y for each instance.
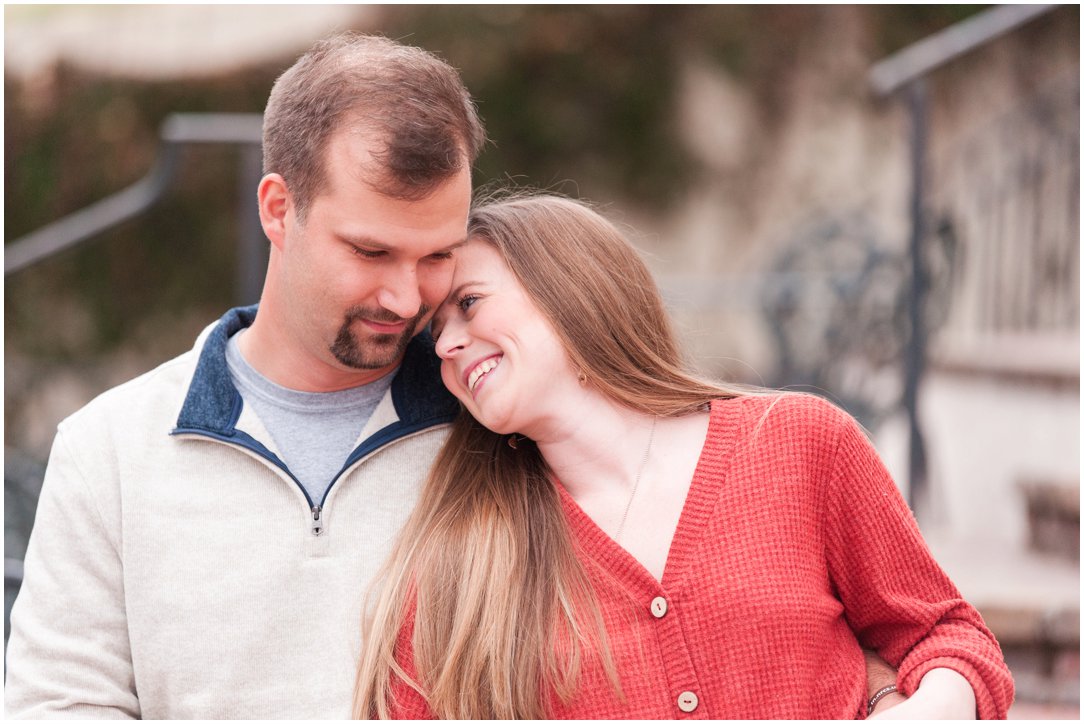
(794, 550)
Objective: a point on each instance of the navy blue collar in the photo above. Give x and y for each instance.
(213, 404)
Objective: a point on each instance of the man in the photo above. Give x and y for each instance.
(206, 532)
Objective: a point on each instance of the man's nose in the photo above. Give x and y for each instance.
(401, 294)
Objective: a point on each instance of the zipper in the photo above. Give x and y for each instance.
(317, 509)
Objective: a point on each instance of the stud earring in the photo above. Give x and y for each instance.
(582, 377)
(513, 442)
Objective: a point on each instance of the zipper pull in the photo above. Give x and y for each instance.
(317, 523)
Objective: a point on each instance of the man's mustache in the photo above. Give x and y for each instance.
(384, 316)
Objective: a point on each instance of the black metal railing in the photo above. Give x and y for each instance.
(905, 75)
(178, 131)
(1012, 185)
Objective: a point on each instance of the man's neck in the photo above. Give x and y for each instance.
(288, 365)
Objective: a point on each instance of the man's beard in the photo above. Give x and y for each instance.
(378, 350)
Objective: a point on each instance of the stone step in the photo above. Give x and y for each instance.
(1053, 510)
(1029, 711)
(1031, 603)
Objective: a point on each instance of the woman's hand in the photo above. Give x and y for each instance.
(942, 694)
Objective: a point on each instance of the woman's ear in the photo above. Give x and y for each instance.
(275, 204)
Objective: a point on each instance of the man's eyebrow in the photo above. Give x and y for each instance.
(361, 240)
(377, 245)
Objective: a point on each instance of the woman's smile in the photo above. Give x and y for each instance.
(488, 326)
(481, 370)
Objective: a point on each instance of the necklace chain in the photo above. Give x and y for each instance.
(639, 474)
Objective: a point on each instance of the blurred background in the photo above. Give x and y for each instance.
(878, 204)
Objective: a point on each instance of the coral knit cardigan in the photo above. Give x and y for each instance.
(794, 550)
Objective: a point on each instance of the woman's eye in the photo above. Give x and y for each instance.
(467, 302)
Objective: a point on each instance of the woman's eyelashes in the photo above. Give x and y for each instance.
(462, 303)
(466, 301)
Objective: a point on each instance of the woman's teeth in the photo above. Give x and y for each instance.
(481, 370)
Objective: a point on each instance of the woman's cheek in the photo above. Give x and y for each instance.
(448, 376)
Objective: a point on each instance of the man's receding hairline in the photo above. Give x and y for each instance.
(402, 167)
(378, 176)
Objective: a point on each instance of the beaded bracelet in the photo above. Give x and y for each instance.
(876, 698)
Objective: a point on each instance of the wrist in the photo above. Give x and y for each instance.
(879, 696)
(949, 691)
(886, 703)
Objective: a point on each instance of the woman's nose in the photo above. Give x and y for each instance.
(451, 340)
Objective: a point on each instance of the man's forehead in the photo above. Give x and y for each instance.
(359, 215)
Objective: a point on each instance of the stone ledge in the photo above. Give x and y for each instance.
(1025, 597)
(1016, 625)
(1051, 358)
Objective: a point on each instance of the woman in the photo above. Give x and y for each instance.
(605, 536)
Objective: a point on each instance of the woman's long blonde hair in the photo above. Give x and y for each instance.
(504, 615)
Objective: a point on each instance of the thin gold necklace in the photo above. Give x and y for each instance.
(639, 474)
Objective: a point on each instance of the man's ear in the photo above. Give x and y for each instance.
(275, 204)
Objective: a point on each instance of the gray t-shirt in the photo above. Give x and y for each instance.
(314, 432)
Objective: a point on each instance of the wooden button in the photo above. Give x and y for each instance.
(687, 701)
(658, 607)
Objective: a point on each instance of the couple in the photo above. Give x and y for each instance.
(600, 535)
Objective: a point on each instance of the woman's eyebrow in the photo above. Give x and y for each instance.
(459, 289)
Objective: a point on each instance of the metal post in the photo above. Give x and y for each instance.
(916, 348)
(252, 251)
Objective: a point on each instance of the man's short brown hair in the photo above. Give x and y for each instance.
(412, 101)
